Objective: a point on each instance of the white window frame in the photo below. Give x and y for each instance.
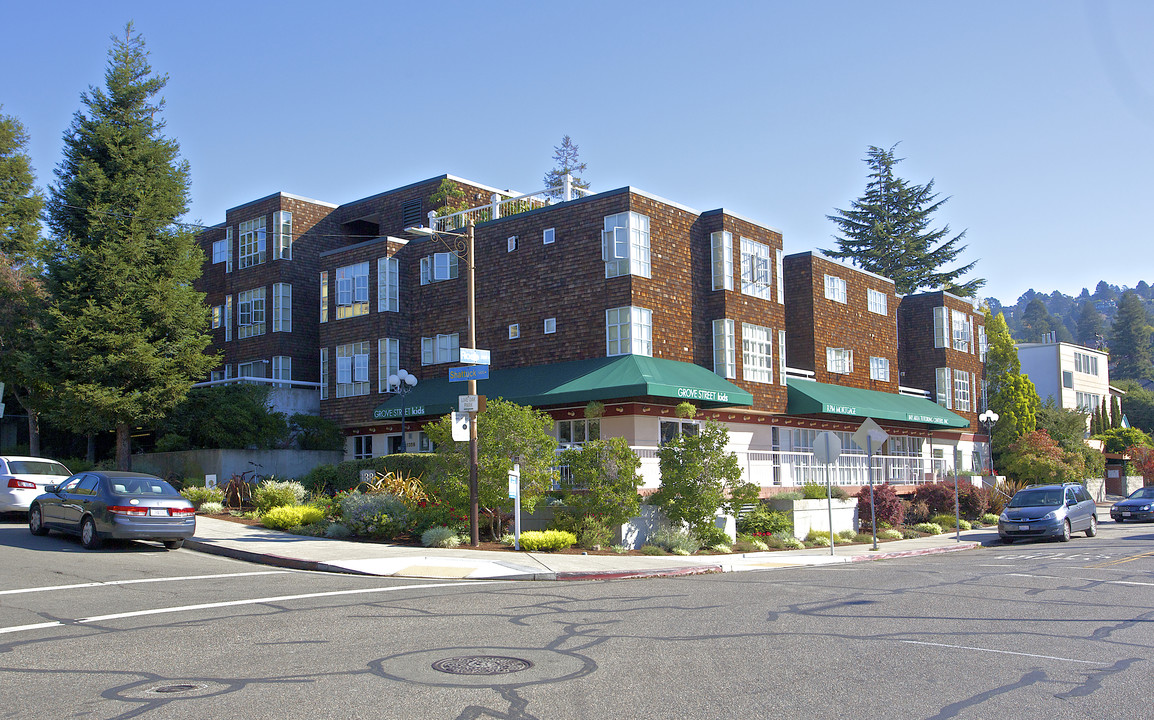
(962, 391)
(839, 360)
(880, 369)
(282, 307)
(439, 267)
(219, 251)
(250, 313)
(625, 245)
(959, 331)
(941, 327)
(353, 290)
(983, 345)
(388, 361)
(943, 390)
(352, 369)
(756, 353)
(362, 447)
(324, 296)
(440, 349)
(548, 236)
(282, 369)
(877, 302)
(780, 265)
(282, 223)
(252, 242)
(724, 348)
(514, 331)
(835, 288)
(721, 254)
(628, 331)
(756, 276)
(577, 432)
(550, 325)
(217, 316)
(227, 318)
(388, 285)
(781, 374)
(324, 373)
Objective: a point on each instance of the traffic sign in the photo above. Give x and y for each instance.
(474, 356)
(826, 447)
(870, 436)
(469, 372)
(460, 426)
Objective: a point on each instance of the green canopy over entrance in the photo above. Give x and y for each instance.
(807, 397)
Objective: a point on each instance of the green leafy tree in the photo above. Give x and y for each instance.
(1130, 357)
(1118, 439)
(1068, 429)
(1091, 330)
(449, 198)
(1036, 458)
(507, 434)
(223, 417)
(310, 432)
(127, 331)
(887, 231)
(568, 162)
(699, 477)
(1137, 405)
(606, 473)
(1142, 462)
(1010, 394)
(1036, 321)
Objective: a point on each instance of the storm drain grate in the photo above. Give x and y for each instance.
(174, 689)
(481, 665)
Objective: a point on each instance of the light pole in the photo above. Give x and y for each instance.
(988, 418)
(402, 382)
(462, 247)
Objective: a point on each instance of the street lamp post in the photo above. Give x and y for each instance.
(988, 418)
(401, 383)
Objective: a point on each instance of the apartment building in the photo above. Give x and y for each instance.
(1073, 376)
(619, 297)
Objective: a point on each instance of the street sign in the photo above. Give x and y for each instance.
(461, 426)
(469, 372)
(870, 436)
(469, 403)
(826, 448)
(473, 356)
(514, 482)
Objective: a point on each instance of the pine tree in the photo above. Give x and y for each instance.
(1090, 328)
(886, 231)
(568, 163)
(1011, 394)
(126, 331)
(1036, 321)
(1115, 412)
(1130, 356)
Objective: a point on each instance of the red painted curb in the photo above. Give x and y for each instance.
(912, 553)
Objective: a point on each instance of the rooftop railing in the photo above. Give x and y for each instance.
(503, 206)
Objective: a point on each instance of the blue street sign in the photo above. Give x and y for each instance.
(472, 372)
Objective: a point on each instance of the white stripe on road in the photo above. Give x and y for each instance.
(235, 603)
(1003, 652)
(142, 580)
(1074, 577)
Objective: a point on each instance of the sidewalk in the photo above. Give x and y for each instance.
(270, 547)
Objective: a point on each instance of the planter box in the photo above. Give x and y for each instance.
(814, 514)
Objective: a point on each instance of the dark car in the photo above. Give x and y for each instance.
(108, 504)
(1048, 511)
(1138, 506)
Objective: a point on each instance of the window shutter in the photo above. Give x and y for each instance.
(361, 368)
(344, 370)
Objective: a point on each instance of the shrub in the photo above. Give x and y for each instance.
(198, 495)
(891, 534)
(887, 507)
(211, 508)
(939, 497)
(747, 543)
(441, 537)
(651, 550)
(972, 500)
(817, 491)
(375, 516)
(792, 543)
(791, 495)
(989, 519)
(672, 541)
(909, 534)
(275, 493)
(547, 540)
(286, 517)
(928, 528)
(819, 541)
(765, 520)
(916, 512)
(847, 534)
(867, 538)
(720, 549)
(711, 535)
(948, 521)
(620, 549)
(337, 531)
(815, 535)
(433, 513)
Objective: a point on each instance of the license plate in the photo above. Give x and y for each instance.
(1125, 514)
(158, 512)
(1023, 527)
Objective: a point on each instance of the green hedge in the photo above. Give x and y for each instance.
(347, 475)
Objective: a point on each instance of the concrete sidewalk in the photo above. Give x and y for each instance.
(270, 547)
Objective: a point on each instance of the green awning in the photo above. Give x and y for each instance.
(578, 381)
(813, 398)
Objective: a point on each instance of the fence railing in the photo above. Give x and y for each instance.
(503, 206)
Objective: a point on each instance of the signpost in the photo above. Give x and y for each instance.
(515, 494)
(473, 356)
(869, 435)
(461, 426)
(826, 450)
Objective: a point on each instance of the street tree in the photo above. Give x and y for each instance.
(568, 162)
(1009, 393)
(126, 330)
(604, 481)
(887, 231)
(1130, 356)
(1035, 457)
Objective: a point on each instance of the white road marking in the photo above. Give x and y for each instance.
(1075, 577)
(235, 603)
(142, 580)
(1003, 652)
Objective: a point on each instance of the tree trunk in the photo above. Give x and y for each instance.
(123, 446)
(33, 433)
(90, 450)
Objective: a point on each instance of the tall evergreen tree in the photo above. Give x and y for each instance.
(126, 330)
(21, 288)
(1130, 356)
(1115, 412)
(1091, 331)
(1036, 321)
(887, 231)
(568, 162)
(1011, 394)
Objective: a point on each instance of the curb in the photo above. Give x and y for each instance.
(254, 557)
(636, 574)
(912, 553)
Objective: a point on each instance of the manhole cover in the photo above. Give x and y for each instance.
(481, 665)
(172, 689)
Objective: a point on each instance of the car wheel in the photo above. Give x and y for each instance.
(36, 521)
(1007, 541)
(88, 536)
(1093, 529)
(1065, 531)
(174, 544)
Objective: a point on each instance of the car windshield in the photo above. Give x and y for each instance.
(1145, 493)
(140, 486)
(37, 467)
(1037, 498)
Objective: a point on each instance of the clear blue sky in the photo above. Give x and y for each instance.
(1036, 118)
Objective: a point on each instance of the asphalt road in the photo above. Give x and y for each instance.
(1032, 631)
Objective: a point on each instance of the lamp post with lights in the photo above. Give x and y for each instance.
(401, 382)
(988, 418)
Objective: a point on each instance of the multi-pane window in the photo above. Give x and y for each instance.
(251, 369)
(325, 296)
(755, 278)
(1088, 402)
(282, 225)
(352, 369)
(876, 301)
(282, 307)
(217, 313)
(625, 245)
(780, 277)
(671, 429)
(388, 361)
(961, 390)
(228, 317)
(440, 349)
(219, 251)
(252, 242)
(362, 447)
(438, 267)
(721, 251)
(628, 330)
(943, 395)
(982, 344)
(576, 432)
(1086, 363)
(282, 369)
(781, 375)
(250, 313)
(839, 360)
(514, 331)
(756, 353)
(724, 349)
(324, 373)
(960, 330)
(941, 327)
(835, 288)
(388, 285)
(353, 290)
(880, 369)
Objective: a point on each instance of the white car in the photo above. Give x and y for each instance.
(23, 478)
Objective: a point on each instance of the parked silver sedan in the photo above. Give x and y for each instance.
(110, 504)
(23, 478)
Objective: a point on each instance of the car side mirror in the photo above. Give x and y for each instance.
(50, 488)
(1071, 502)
